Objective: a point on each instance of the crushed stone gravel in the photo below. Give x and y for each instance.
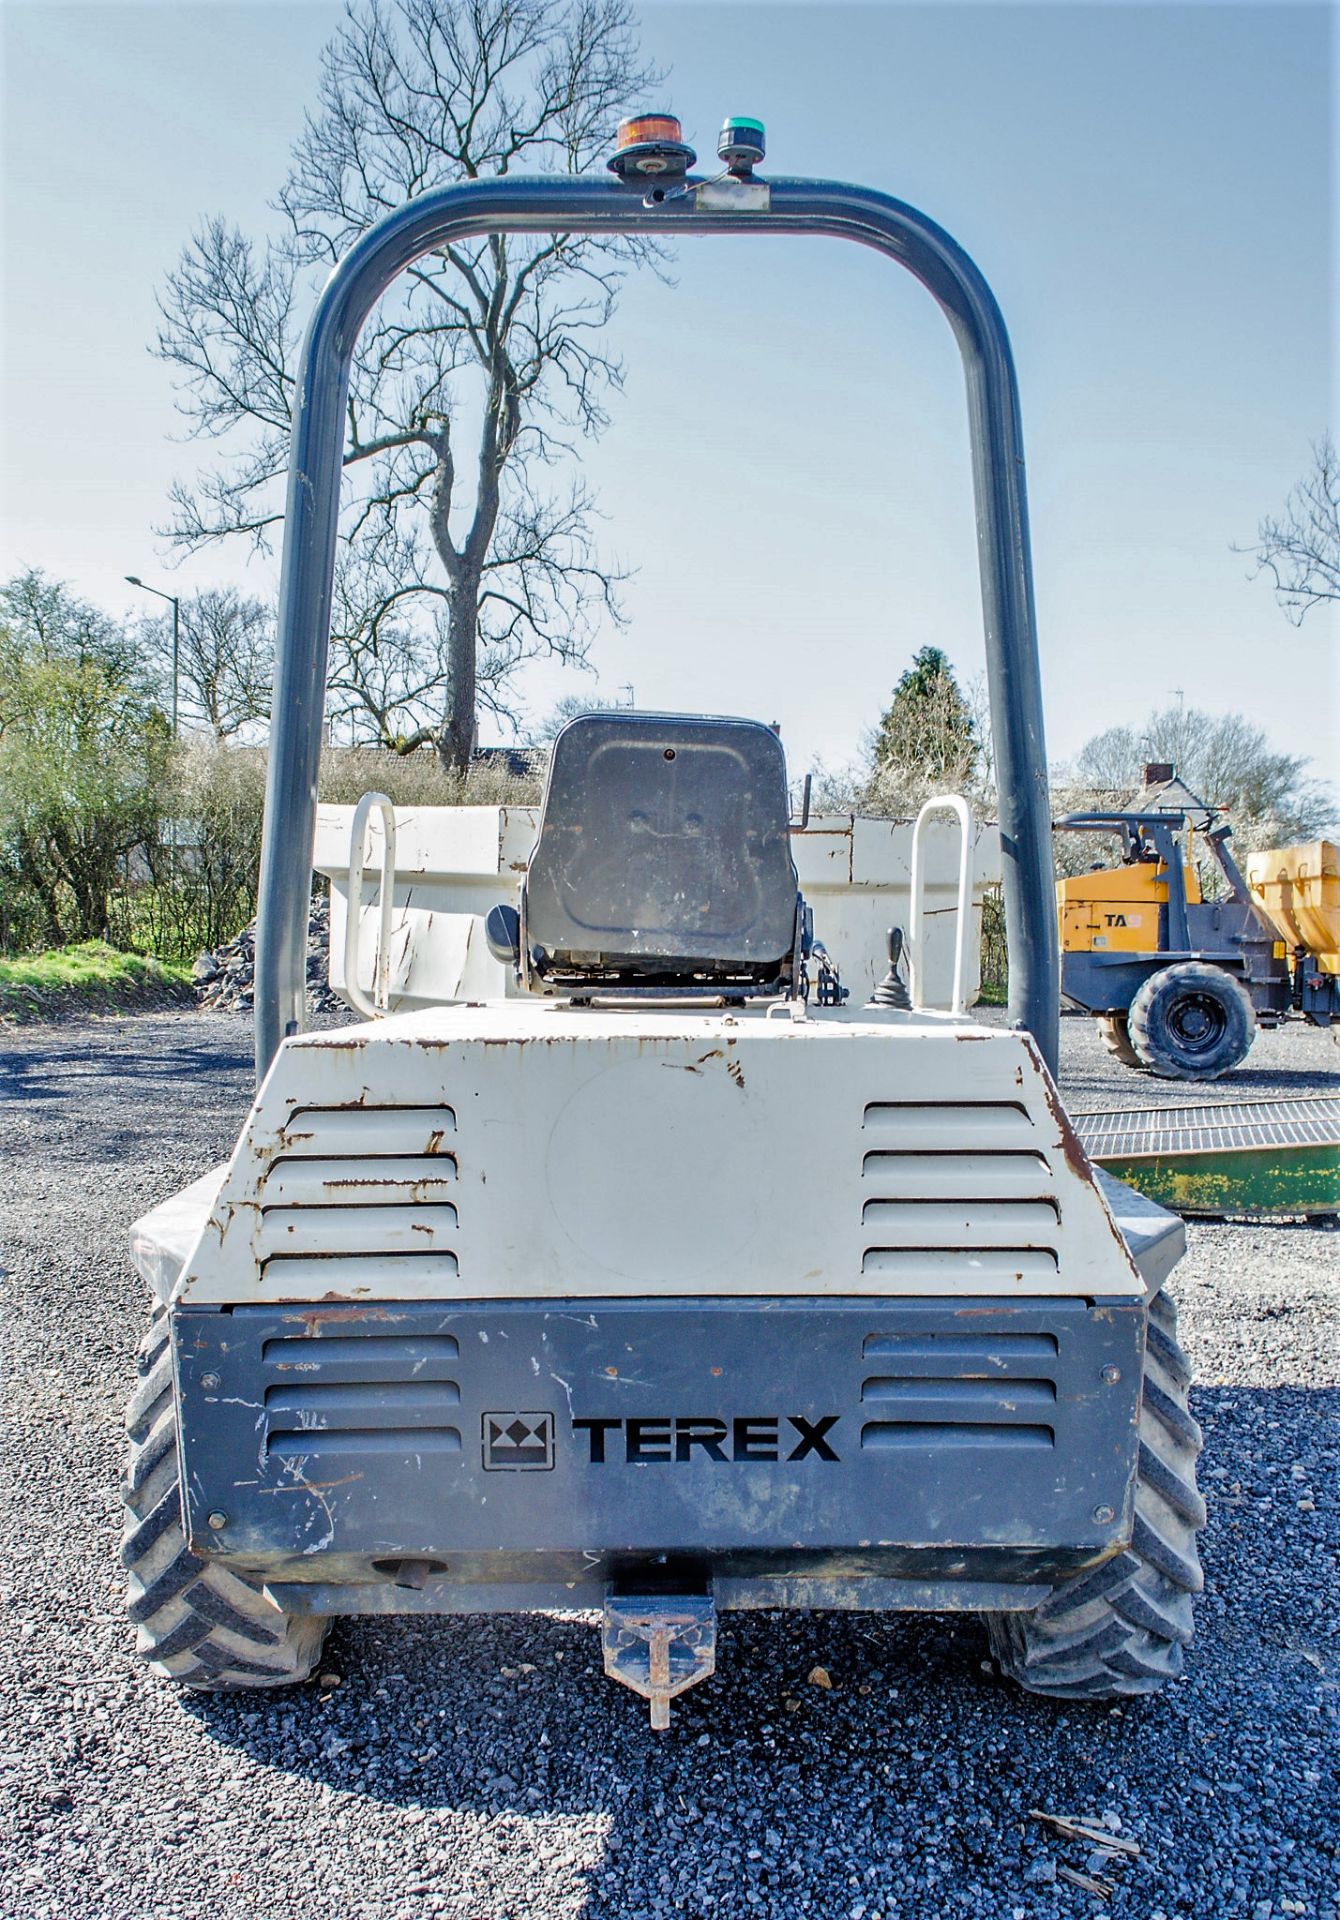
(484, 1769)
(225, 980)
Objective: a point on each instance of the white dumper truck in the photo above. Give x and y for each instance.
(642, 1251)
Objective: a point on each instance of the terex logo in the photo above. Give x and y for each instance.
(678, 1439)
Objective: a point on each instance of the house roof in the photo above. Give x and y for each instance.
(1174, 796)
(518, 763)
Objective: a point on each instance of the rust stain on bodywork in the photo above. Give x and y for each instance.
(1072, 1147)
(315, 1318)
(311, 1486)
(1076, 1158)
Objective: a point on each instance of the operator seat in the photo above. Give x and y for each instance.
(664, 855)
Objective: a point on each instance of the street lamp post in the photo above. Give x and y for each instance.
(135, 581)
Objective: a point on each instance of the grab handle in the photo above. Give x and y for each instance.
(381, 965)
(943, 803)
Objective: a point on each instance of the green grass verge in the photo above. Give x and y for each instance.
(89, 978)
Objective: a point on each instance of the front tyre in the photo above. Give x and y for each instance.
(1121, 1628)
(196, 1623)
(1191, 1022)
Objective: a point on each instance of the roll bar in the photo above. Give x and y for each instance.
(608, 206)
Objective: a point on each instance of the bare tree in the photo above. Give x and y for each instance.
(1270, 797)
(569, 707)
(466, 550)
(225, 659)
(1301, 549)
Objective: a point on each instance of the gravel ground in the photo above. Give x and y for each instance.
(483, 1770)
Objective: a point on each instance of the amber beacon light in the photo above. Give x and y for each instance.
(650, 143)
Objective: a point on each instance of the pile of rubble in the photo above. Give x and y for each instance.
(226, 980)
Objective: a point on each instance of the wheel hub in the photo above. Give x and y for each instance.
(1197, 1021)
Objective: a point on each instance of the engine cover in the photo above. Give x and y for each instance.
(536, 1151)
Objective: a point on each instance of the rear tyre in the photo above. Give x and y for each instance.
(1121, 1629)
(196, 1623)
(1191, 1022)
(1117, 1040)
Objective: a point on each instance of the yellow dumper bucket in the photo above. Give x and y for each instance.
(1299, 887)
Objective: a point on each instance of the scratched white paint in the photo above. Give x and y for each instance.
(593, 1155)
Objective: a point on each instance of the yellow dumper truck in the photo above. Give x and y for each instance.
(1180, 982)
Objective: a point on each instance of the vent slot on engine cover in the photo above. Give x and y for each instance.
(328, 1393)
(957, 1191)
(366, 1191)
(992, 1389)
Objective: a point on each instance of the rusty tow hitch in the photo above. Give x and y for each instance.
(659, 1645)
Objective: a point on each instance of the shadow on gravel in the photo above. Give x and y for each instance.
(1088, 1085)
(905, 1787)
(114, 1092)
(46, 1074)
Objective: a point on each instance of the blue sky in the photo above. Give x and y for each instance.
(1148, 188)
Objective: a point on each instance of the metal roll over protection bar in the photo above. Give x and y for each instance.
(600, 206)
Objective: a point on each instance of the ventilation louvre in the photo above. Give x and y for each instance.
(360, 1199)
(356, 1356)
(300, 1182)
(882, 1434)
(329, 1390)
(960, 1125)
(972, 1356)
(985, 1388)
(330, 1443)
(368, 1132)
(967, 1397)
(1011, 1174)
(957, 1194)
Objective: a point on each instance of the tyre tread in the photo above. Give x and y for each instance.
(1117, 1039)
(199, 1624)
(1120, 1628)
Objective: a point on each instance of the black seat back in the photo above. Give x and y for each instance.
(664, 853)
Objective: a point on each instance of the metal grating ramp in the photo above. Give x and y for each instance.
(1226, 1157)
(1212, 1128)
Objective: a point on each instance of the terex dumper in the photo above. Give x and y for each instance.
(668, 1282)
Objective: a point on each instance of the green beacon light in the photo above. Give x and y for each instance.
(741, 144)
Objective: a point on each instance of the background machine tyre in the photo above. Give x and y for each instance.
(1117, 1040)
(198, 1624)
(1191, 1022)
(1121, 1628)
